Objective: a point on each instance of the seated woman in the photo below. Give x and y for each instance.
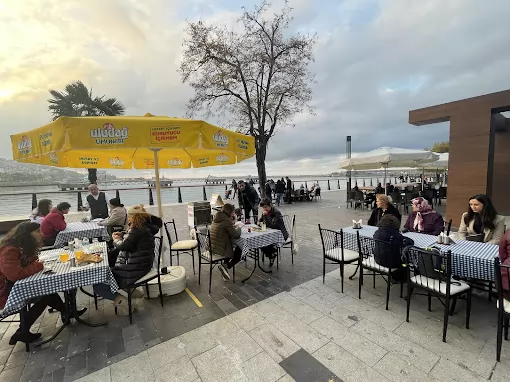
(504, 257)
(273, 219)
(19, 251)
(383, 207)
(481, 222)
(136, 253)
(424, 219)
(43, 208)
(54, 222)
(390, 255)
(118, 215)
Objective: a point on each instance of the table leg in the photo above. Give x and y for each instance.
(252, 272)
(74, 314)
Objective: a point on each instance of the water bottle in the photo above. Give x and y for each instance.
(85, 243)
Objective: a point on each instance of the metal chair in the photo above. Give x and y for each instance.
(151, 275)
(503, 303)
(334, 251)
(205, 256)
(431, 271)
(317, 195)
(368, 248)
(177, 246)
(290, 226)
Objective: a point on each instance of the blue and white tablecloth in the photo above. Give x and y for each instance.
(469, 258)
(80, 230)
(254, 240)
(63, 279)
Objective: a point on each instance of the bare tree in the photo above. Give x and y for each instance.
(257, 75)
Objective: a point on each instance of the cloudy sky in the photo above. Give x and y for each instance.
(374, 61)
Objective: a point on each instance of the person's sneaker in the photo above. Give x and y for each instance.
(224, 272)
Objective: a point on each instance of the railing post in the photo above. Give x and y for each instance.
(356, 182)
(117, 195)
(306, 186)
(34, 201)
(151, 198)
(205, 195)
(80, 202)
(364, 185)
(226, 188)
(329, 187)
(338, 183)
(371, 182)
(179, 194)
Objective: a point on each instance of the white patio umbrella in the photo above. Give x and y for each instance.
(387, 157)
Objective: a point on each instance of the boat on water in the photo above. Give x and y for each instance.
(164, 182)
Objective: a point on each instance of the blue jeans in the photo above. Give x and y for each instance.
(104, 291)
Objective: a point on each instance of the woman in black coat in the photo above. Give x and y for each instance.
(384, 207)
(136, 253)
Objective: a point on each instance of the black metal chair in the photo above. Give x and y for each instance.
(206, 257)
(350, 198)
(503, 287)
(177, 246)
(431, 271)
(151, 275)
(368, 247)
(317, 195)
(334, 251)
(359, 199)
(290, 226)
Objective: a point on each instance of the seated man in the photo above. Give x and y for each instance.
(118, 215)
(223, 232)
(53, 223)
(96, 202)
(273, 219)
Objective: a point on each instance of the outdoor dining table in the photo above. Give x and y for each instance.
(80, 230)
(251, 242)
(62, 278)
(470, 259)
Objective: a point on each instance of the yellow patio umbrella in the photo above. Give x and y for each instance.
(147, 142)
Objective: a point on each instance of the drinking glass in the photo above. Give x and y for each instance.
(64, 256)
(79, 254)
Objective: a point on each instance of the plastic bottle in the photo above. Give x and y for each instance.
(85, 242)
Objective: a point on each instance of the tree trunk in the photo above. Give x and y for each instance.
(92, 175)
(260, 155)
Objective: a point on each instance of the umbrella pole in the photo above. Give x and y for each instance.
(385, 186)
(158, 184)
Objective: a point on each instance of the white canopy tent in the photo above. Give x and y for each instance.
(388, 157)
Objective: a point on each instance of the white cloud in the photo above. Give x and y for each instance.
(375, 60)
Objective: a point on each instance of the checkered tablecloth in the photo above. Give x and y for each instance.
(469, 258)
(80, 230)
(63, 279)
(254, 240)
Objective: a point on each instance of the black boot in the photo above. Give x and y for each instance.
(24, 337)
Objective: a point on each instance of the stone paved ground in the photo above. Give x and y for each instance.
(264, 330)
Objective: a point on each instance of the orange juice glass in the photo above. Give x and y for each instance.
(79, 254)
(64, 257)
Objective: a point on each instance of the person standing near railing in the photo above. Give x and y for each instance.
(249, 200)
(97, 203)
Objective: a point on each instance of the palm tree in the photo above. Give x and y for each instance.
(76, 100)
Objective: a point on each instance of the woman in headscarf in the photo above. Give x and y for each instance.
(424, 219)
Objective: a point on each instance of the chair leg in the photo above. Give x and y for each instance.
(147, 290)
(446, 316)
(408, 300)
(199, 267)
(454, 304)
(129, 307)
(468, 308)
(429, 298)
(506, 328)
(292, 251)
(171, 264)
(160, 291)
(95, 300)
(374, 279)
(401, 289)
(499, 338)
(193, 259)
(360, 281)
(323, 268)
(234, 274)
(342, 275)
(277, 258)
(178, 258)
(490, 290)
(388, 285)
(210, 274)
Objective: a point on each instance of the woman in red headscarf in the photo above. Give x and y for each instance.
(424, 219)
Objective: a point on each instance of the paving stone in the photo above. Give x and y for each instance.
(302, 334)
(262, 368)
(102, 375)
(274, 342)
(96, 355)
(16, 359)
(134, 369)
(247, 318)
(365, 350)
(198, 341)
(266, 308)
(404, 349)
(446, 370)
(239, 345)
(11, 375)
(222, 327)
(397, 369)
(346, 366)
(166, 352)
(76, 366)
(217, 365)
(179, 370)
(294, 306)
(303, 367)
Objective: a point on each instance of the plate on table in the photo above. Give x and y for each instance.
(90, 258)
